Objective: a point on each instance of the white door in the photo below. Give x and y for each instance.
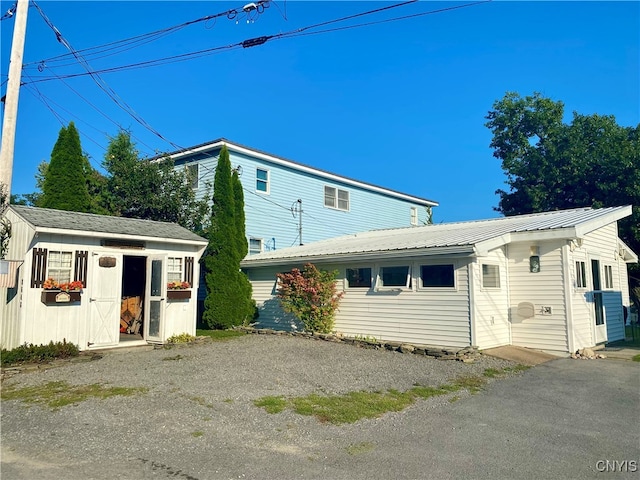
(598, 304)
(106, 285)
(155, 299)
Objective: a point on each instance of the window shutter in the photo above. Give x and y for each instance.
(188, 270)
(80, 270)
(38, 267)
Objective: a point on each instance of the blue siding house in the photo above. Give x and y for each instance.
(288, 203)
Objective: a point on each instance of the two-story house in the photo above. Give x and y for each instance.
(288, 203)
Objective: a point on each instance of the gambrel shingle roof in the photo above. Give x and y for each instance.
(471, 237)
(45, 219)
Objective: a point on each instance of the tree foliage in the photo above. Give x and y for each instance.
(311, 295)
(150, 190)
(228, 300)
(551, 165)
(65, 183)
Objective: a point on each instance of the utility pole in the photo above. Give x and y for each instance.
(11, 99)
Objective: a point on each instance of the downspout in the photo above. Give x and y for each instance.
(568, 301)
(472, 305)
(506, 258)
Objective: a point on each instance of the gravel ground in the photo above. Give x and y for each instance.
(198, 421)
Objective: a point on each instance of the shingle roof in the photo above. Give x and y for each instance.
(459, 237)
(47, 218)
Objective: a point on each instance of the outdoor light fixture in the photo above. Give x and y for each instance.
(534, 259)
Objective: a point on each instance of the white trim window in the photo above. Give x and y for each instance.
(174, 269)
(581, 274)
(255, 246)
(59, 266)
(438, 276)
(394, 277)
(608, 276)
(414, 216)
(336, 198)
(192, 171)
(263, 183)
(359, 277)
(490, 276)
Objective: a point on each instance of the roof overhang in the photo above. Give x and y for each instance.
(627, 255)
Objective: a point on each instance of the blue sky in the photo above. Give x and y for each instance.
(398, 104)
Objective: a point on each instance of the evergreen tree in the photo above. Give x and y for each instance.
(246, 304)
(65, 183)
(228, 297)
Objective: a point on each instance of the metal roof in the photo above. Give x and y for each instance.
(48, 219)
(238, 148)
(470, 237)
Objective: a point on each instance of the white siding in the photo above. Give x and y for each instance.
(542, 289)
(436, 316)
(491, 305)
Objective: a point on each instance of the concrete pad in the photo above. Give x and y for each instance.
(525, 356)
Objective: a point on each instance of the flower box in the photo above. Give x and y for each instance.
(178, 294)
(58, 297)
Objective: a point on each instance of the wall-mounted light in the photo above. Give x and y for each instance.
(534, 259)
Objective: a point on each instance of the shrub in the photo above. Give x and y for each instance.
(311, 295)
(182, 338)
(38, 353)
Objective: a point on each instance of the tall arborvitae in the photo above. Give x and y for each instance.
(65, 183)
(226, 301)
(246, 304)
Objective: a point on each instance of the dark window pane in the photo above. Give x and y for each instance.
(394, 276)
(437, 275)
(359, 277)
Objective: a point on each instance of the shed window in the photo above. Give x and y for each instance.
(192, 175)
(440, 276)
(608, 276)
(59, 266)
(359, 277)
(262, 180)
(336, 198)
(490, 276)
(581, 275)
(174, 269)
(414, 216)
(397, 276)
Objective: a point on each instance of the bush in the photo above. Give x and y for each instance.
(38, 353)
(182, 338)
(311, 296)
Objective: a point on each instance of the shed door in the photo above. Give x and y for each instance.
(156, 293)
(598, 304)
(106, 280)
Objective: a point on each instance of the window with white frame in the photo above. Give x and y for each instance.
(255, 246)
(608, 276)
(174, 269)
(437, 276)
(581, 275)
(59, 265)
(490, 276)
(262, 180)
(336, 198)
(359, 277)
(192, 175)
(414, 216)
(395, 276)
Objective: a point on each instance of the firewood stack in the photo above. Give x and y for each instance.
(131, 315)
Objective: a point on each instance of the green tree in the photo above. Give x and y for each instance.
(150, 190)
(5, 224)
(552, 165)
(228, 300)
(65, 184)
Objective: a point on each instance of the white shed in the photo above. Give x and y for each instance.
(554, 281)
(122, 267)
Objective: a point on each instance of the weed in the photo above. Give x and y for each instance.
(228, 400)
(175, 357)
(636, 358)
(359, 448)
(471, 383)
(220, 335)
(59, 394)
(181, 338)
(197, 433)
(491, 372)
(200, 401)
(365, 338)
(38, 353)
(271, 404)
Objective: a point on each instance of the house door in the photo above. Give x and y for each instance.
(156, 293)
(106, 281)
(600, 325)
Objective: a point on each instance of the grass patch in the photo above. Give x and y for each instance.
(200, 401)
(175, 357)
(360, 448)
(219, 334)
(272, 404)
(636, 358)
(197, 433)
(59, 394)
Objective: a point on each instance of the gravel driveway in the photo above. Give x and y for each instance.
(197, 420)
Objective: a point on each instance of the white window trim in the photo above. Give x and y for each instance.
(377, 282)
(608, 280)
(261, 245)
(414, 216)
(173, 271)
(337, 199)
(196, 182)
(437, 289)
(60, 269)
(586, 275)
(482, 286)
(267, 181)
(363, 289)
